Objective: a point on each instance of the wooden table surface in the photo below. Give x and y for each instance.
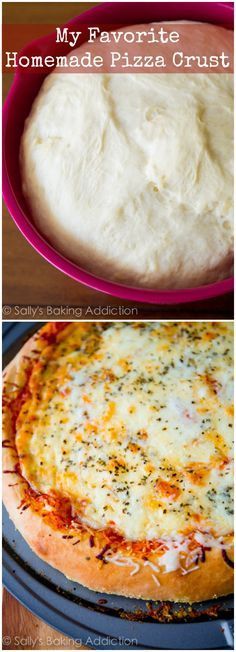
(31, 284)
(33, 289)
(21, 630)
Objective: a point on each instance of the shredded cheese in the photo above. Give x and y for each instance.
(133, 424)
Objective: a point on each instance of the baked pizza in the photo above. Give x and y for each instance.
(117, 456)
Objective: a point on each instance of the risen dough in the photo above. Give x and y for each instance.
(130, 175)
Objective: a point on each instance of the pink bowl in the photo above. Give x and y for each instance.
(17, 106)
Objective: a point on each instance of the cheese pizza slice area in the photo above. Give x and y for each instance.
(132, 423)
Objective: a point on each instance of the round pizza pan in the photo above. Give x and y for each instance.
(97, 620)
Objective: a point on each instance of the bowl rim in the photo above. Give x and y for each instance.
(63, 264)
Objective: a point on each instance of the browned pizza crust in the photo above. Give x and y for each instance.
(76, 556)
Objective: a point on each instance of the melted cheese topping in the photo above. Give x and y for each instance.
(133, 422)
